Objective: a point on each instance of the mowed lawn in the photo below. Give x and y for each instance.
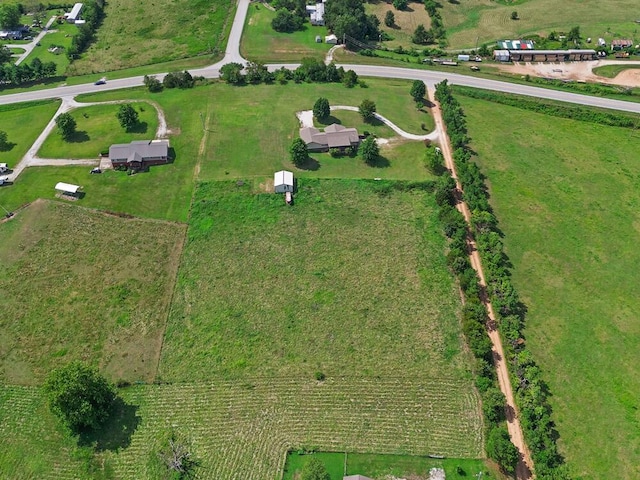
(567, 196)
(97, 129)
(265, 118)
(77, 284)
(23, 122)
(261, 43)
(485, 21)
(137, 33)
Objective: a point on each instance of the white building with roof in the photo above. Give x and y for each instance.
(283, 182)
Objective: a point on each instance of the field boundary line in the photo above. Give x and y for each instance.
(525, 465)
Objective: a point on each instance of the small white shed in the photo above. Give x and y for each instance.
(331, 39)
(283, 182)
(67, 188)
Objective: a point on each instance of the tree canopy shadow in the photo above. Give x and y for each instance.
(79, 136)
(7, 147)
(375, 122)
(117, 429)
(329, 120)
(380, 162)
(140, 127)
(311, 164)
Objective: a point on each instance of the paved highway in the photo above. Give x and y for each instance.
(232, 54)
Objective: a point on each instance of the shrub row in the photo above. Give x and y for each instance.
(92, 13)
(573, 112)
(531, 392)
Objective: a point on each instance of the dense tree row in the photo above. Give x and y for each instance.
(310, 70)
(26, 72)
(92, 13)
(437, 27)
(530, 390)
(563, 110)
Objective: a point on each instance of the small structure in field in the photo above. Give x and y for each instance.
(68, 190)
(331, 39)
(620, 44)
(515, 44)
(283, 182)
(356, 477)
(574, 55)
(139, 154)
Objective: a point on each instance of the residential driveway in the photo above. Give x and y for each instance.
(28, 47)
(31, 158)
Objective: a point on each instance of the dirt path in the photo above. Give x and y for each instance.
(523, 471)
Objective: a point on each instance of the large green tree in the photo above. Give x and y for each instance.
(347, 17)
(4, 140)
(232, 73)
(5, 54)
(127, 116)
(299, 152)
(9, 16)
(286, 21)
(314, 469)
(66, 125)
(321, 108)
(500, 449)
(369, 150)
(367, 110)
(389, 19)
(79, 396)
(418, 91)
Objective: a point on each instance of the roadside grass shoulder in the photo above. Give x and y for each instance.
(168, 29)
(97, 129)
(567, 198)
(262, 43)
(476, 22)
(78, 284)
(612, 71)
(23, 122)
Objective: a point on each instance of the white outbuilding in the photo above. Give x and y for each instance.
(67, 188)
(283, 182)
(331, 39)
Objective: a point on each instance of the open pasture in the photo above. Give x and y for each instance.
(261, 43)
(406, 21)
(137, 33)
(567, 196)
(97, 129)
(484, 21)
(77, 284)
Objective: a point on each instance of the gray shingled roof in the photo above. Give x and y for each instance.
(334, 136)
(139, 150)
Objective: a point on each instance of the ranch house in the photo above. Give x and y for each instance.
(334, 136)
(139, 154)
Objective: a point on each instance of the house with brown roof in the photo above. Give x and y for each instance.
(139, 154)
(334, 136)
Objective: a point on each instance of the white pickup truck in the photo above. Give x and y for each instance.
(3, 168)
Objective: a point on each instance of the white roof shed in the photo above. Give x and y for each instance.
(67, 188)
(283, 181)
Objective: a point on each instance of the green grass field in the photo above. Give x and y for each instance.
(484, 21)
(101, 295)
(61, 37)
(167, 30)
(262, 43)
(566, 194)
(406, 21)
(97, 129)
(612, 71)
(382, 466)
(23, 122)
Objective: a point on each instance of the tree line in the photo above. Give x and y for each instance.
(93, 14)
(26, 72)
(531, 392)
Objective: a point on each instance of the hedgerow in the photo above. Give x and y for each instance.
(531, 391)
